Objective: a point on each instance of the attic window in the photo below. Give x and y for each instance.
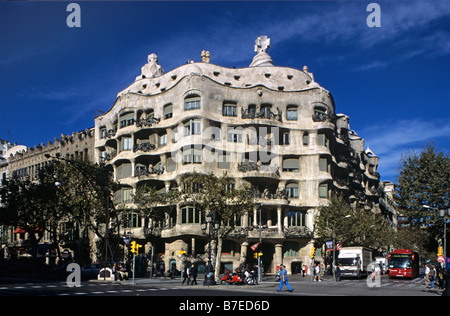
(267, 75)
(216, 73)
(236, 77)
(290, 77)
(174, 77)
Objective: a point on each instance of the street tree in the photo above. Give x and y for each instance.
(221, 197)
(30, 207)
(424, 179)
(353, 226)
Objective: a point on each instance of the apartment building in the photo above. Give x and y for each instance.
(271, 126)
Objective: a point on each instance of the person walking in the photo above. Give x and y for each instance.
(194, 275)
(338, 274)
(186, 275)
(427, 276)
(284, 279)
(317, 273)
(432, 276)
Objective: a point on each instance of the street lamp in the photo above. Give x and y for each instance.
(334, 244)
(442, 214)
(210, 228)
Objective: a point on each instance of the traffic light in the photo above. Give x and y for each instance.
(313, 252)
(135, 247)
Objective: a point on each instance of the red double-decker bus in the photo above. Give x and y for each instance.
(403, 263)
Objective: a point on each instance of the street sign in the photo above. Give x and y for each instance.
(441, 259)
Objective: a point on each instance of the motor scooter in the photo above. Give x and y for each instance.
(226, 278)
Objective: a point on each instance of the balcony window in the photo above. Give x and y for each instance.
(103, 133)
(291, 114)
(234, 135)
(126, 120)
(123, 170)
(131, 220)
(305, 139)
(163, 140)
(323, 190)
(323, 164)
(190, 215)
(192, 127)
(291, 165)
(124, 195)
(224, 161)
(192, 103)
(286, 138)
(229, 109)
(168, 112)
(126, 143)
(192, 155)
(292, 190)
(296, 218)
(322, 140)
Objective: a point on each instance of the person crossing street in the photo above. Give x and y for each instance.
(284, 279)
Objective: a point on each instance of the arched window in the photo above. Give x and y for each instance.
(192, 102)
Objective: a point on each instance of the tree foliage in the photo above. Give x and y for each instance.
(353, 226)
(424, 179)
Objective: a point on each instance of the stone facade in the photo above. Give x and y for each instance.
(274, 127)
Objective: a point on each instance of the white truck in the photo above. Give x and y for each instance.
(353, 261)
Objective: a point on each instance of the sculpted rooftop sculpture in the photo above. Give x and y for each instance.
(151, 69)
(262, 44)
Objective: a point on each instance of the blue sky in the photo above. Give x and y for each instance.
(392, 81)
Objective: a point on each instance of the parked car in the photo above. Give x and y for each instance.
(90, 270)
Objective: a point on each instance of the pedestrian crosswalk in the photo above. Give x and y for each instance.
(385, 282)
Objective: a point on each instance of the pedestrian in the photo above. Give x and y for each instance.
(303, 270)
(161, 269)
(194, 275)
(432, 276)
(317, 273)
(338, 274)
(427, 276)
(284, 279)
(186, 275)
(440, 277)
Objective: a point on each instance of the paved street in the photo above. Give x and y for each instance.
(167, 287)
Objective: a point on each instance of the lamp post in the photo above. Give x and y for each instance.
(260, 244)
(334, 244)
(210, 228)
(442, 214)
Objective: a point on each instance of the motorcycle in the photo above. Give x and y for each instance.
(226, 278)
(250, 278)
(278, 275)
